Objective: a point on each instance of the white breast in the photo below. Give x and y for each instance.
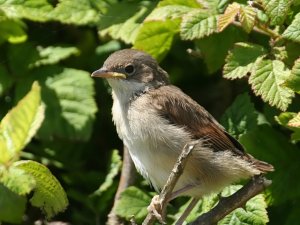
(154, 145)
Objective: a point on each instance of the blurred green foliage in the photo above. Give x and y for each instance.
(240, 60)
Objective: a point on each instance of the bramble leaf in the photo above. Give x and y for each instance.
(35, 10)
(293, 32)
(276, 10)
(156, 37)
(124, 24)
(12, 31)
(229, 16)
(240, 117)
(53, 54)
(240, 60)
(133, 202)
(81, 13)
(267, 81)
(254, 212)
(168, 12)
(21, 124)
(293, 81)
(196, 25)
(247, 17)
(48, 193)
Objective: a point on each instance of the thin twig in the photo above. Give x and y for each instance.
(128, 176)
(171, 182)
(227, 204)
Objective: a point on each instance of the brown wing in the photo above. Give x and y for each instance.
(180, 109)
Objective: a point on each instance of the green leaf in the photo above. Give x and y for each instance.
(12, 206)
(53, 54)
(293, 81)
(124, 24)
(240, 117)
(265, 143)
(213, 53)
(81, 13)
(70, 105)
(6, 80)
(240, 60)
(293, 32)
(189, 3)
(254, 212)
(133, 202)
(277, 10)
(267, 81)
(17, 180)
(168, 12)
(291, 121)
(20, 124)
(12, 31)
(48, 193)
(229, 15)
(115, 166)
(36, 10)
(247, 18)
(156, 37)
(196, 25)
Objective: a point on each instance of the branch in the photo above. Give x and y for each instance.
(171, 182)
(128, 176)
(227, 204)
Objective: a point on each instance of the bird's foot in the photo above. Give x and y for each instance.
(155, 207)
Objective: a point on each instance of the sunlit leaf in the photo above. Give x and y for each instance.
(189, 3)
(17, 180)
(267, 81)
(247, 18)
(21, 124)
(240, 60)
(124, 24)
(196, 25)
(53, 54)
(48, 193)
(277, 10)
(293, 32)
(81, 13)
(229, 16)
(36, 10)
(156, 37)
(168, 12)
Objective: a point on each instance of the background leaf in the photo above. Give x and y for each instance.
(21, 124)
(292, 32)
(156, 37)
(48, 193)
(277, 10)
(240, 117)
(133, 202)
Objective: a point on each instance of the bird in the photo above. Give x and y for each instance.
(156, 119)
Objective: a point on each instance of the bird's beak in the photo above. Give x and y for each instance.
(104, 73)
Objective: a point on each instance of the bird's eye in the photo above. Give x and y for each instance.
(129, 69)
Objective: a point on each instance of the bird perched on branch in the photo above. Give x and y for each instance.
(156, 119)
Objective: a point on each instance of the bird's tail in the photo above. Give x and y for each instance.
(262, 166)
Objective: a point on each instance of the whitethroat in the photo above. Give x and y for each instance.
(156, 119)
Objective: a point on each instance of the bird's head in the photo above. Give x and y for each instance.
(132, 70)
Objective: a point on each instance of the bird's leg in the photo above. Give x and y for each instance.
(187, 211)
(175, 194)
